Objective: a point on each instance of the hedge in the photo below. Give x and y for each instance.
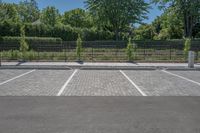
(65, 32)
(8, 43)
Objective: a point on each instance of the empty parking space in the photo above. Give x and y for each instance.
(159, 83)
(9, 74)
(192, 75)
(100, 83)
(38, 83)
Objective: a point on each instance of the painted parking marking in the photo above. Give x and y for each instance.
(181, 77)
(17, 77)
(66, 83)
(143, 94)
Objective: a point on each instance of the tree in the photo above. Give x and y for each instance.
(50, 16)
(23, 44)
(188, 9)
(129, 50)
(29, 11)
(143, 32)
(115, 15)
(79, 47)
(168, 26)
(77, 18)
(8, 12)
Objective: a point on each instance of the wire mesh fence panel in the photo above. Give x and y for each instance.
(100, 51)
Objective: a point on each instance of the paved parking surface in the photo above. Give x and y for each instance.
(37, 83)
(159, 83)
(99, 83)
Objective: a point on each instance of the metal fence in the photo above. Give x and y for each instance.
(151, 51)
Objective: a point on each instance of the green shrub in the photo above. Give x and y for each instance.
(79, 47)
(129, 50)
(66, 32)
(187, 45)
(23, 44)
(31, 39)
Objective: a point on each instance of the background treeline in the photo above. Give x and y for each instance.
(103, 20)
(48, 22)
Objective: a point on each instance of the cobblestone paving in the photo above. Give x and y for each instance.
(8, 74)
(158, 83)
(38, 83)
(100, 83)
(193, 75)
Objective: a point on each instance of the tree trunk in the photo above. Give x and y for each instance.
(188, 25)
(116, 35)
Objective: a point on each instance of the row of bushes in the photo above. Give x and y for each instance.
(30, 39)
(65, 32)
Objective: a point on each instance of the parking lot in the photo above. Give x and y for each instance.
(19, 82)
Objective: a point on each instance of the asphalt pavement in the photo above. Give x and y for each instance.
(99, 115)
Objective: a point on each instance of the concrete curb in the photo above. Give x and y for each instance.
(37, 67)
(65, 67)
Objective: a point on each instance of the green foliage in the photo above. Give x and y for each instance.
(167, 26)
(143, 32)
(188, 10)
(66, 32)
(28, 11)
(9, 28)
(9, 12)
(116, 15)
(31, 39)
(23, 44)
(50, 16)
(77, 18)
(187, 45)
(79, 47)
(129, 50)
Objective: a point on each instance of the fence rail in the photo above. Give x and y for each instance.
(100, 51)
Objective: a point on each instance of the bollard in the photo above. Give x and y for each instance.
(191, 59)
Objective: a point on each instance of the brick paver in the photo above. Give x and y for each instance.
(158, 83)
(38, 83)
(100, 83)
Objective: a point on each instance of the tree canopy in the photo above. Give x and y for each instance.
(189, 10)
(103, 20)
(116, 15)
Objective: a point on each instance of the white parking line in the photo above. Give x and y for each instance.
(16, 77)
(181, 77)
(143, 94)
(66, 83)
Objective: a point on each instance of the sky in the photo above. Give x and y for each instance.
(65, 5)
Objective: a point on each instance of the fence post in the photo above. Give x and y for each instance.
(116, 50)
(65, 50)
(92, 52)
(0, 57)
(170, 47)
(38, 52)
(144, 50)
